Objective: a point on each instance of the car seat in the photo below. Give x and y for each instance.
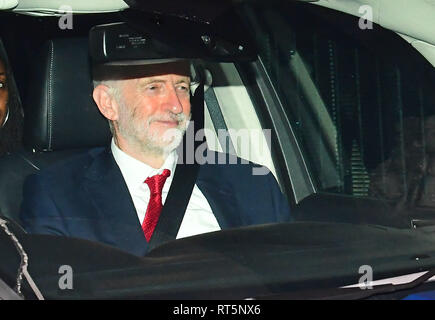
(61, 118)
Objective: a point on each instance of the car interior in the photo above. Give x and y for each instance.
(62, 120)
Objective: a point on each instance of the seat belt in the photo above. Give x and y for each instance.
(182, 184)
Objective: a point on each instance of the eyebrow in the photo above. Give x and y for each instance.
(150, 80)
(158, 80)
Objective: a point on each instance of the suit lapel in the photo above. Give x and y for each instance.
(117, 223)
(117, 219)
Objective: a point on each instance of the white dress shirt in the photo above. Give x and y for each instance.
(199, 217)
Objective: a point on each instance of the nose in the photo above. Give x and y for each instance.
(173, 101)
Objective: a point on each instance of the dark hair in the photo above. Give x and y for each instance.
(11, 133)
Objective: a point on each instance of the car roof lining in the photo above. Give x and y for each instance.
(60, 7)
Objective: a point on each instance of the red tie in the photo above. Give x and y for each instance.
(155, 204)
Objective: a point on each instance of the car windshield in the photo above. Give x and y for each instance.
(335, 114)
(360, 102)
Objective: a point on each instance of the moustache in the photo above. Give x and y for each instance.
(180, 118)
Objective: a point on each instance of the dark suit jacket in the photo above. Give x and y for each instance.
(86, 197)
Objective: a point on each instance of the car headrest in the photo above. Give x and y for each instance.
(59, 108)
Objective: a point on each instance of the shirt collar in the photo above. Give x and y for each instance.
(135, 172)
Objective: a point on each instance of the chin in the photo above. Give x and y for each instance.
(173, 144)
(166, 142)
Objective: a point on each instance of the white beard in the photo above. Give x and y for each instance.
(139, 136)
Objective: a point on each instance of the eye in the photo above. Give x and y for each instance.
(153, 87)
(2, 85)
(184, 88)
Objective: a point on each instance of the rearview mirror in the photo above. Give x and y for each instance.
(144, 39)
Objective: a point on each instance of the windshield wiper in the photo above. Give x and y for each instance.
(355, 293)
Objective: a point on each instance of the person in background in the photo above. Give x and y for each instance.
(11, 114)
(408, 176)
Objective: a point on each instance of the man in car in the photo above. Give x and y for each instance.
(115, 195)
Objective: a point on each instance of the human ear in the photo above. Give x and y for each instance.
(105, 102)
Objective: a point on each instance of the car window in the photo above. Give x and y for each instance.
(249, 139)
(360, 102)
(348, 119)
